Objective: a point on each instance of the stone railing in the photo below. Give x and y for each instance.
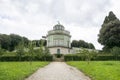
(58, 31)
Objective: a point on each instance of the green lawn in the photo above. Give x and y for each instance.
(18, 70)
(99, 70)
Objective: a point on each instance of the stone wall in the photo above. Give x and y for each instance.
(62, 50)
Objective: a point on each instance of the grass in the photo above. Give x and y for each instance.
(99, 70)
(18, 70)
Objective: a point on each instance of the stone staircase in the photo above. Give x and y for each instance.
(60, 59)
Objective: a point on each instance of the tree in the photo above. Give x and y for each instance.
(43, 42)
(20, 50)
(9, 42)
(115, 51)
(47, 52)
(26, 41)
(109, 33)
(1, 52)
(88, 55)
(31, 51)
(74, 43)
(5, 41)
(15, 40)
(40, 52)
(91, 46)
(82, 44)
(43, 51)
(40, 42)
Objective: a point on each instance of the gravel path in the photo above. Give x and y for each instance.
(58, 71)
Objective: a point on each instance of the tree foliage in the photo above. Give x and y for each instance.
(82, 44)
(1, 51)
(20, 50)
(5, 41)
(115, 51)
(31, 51)
(88, 55)
(40, 42)
(9, 42)
(109, 35)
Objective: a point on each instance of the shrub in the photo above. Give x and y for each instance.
(26, 58)
(72, 57)
(58, 55)
(98, 57)
(104, 58)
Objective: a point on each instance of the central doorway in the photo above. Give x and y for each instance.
(58, 51)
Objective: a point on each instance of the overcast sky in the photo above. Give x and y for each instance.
(33, 18)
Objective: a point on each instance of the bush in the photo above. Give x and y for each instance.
(104, 58)
(26, 58)
(44, 58)
(73, 57)
(99, 57)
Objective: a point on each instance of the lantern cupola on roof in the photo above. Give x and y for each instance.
(58, 26)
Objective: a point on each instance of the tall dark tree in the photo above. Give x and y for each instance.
(4, 41)
(91, 46)
(82, 44)
(1, 52)
(9, 42)
(15, 40)
(109, 35)
(74, 43)
(25, 41)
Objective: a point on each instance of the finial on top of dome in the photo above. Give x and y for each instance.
(58, 22)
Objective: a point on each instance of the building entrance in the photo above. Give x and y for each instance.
(58, 51)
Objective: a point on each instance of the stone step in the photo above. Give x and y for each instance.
(58, 59)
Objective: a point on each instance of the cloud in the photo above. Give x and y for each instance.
(33, 18)
(78, 11)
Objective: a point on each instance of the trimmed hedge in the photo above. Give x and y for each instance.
(104, 58)
(27, 58)
(69, 57)
(72, 58)
(82, 58)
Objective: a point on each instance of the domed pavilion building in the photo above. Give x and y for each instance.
(58, 40)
